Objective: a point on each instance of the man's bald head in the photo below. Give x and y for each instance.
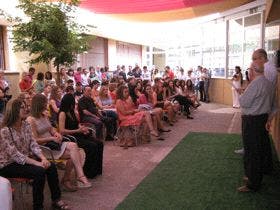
(259, 58)
(261, 52)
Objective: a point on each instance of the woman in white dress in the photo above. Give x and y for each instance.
(236, 85)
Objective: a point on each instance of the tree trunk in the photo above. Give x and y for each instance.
(57, 75)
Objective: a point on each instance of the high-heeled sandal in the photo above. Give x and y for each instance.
(170, 123)
(124, 146)
(83, 185)
(60, 204)
(164, 130)
(67, 186)
(153, 133)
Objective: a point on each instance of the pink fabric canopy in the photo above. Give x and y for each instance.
(139, 6)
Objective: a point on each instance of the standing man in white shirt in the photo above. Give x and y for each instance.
(146, 74)
(201, 83)
(206, 78)
(256, 108)
(84, 77)
(260, 59)
(270, 72)
(181, 74)
(98, 73)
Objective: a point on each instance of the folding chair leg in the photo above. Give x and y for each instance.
(136, 130)
(19, 199)
(116, 138)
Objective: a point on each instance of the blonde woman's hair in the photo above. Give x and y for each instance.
(101, 92)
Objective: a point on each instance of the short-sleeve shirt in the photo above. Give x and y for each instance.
(86, 103)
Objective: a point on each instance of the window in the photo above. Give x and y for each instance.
(128, 54)
(214, 47)
(244, 38)
(205, 45)
(157, 50)
(222, 44)
(271, 40)
(188, 55)
(2, 56)
(252, 37)
(191, 56)
(235, 43)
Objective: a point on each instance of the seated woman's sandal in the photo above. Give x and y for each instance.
(60, 204)
(82, 183)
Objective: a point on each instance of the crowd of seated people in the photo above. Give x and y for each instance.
(95, 94)
(81, 105)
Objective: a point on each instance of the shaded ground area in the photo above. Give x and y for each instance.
(202, 172)
(125, 169)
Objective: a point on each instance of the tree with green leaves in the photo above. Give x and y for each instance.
(50, 35)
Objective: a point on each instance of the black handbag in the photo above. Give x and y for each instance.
(53, 145)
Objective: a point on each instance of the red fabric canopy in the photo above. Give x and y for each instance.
(139, 6)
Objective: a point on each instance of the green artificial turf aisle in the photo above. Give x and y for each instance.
(202, 172)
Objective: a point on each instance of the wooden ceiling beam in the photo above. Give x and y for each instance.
(272, 11)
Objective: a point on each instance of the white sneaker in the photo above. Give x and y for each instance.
(239, 151)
